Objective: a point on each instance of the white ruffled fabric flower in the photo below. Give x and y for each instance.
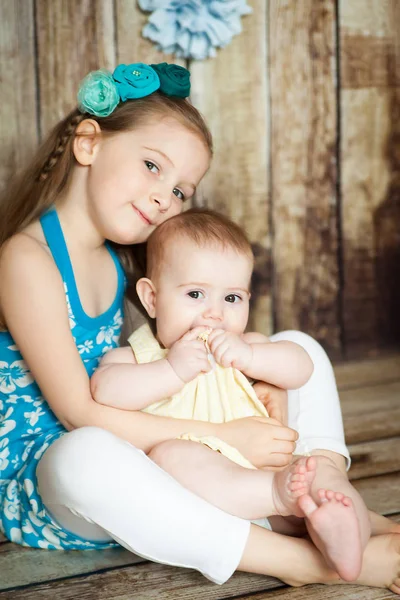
(193, 28)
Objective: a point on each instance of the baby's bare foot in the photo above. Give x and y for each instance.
(292, 483)
(333, 526)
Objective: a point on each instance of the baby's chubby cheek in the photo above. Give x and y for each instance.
(168, 338)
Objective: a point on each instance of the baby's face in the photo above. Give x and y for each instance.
(206, 286)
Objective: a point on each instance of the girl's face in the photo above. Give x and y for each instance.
(141, 178)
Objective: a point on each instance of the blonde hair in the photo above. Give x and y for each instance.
(204, 228)
(32, 192)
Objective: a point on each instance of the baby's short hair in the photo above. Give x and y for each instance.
(204, 228)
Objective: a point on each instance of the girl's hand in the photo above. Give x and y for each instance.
(264, 442)
(188, 356)
(274, 399)
(230, 349)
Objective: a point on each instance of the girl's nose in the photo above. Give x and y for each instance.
(162, 199)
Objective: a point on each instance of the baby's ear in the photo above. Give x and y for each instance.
(147, 295)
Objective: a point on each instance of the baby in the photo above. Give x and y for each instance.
(199, 296)
(200, 363)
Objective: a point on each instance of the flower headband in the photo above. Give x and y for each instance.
(100, 91)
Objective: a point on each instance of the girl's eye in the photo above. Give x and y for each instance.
(179, 194)
(196, 294)
(232, 298)
(151, 166)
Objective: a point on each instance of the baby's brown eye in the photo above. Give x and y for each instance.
(232, 298)
(195, 294)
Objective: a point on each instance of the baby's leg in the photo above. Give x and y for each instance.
(314, 411)
(246, 493)
(338, 522)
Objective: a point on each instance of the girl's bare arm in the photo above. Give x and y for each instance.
(32, 300)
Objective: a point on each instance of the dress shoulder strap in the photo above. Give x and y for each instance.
(54, 235)
(55, 240)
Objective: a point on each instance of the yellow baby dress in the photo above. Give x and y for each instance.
(223, 394)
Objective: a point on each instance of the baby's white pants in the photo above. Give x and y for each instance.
(101, 487)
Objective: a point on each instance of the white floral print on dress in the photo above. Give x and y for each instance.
(13, 375)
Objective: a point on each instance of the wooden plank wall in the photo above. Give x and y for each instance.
(370, 158)
(304, 108)
(304, 201)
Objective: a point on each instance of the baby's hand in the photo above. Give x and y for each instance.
(188, 356)
(230, 350)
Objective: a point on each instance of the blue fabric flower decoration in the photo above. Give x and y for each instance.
(193, 28)
(135, 81)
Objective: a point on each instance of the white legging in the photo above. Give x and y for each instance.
(100, 487)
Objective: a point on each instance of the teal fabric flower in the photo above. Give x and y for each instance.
(135, 81)
(98, 94)
(174, 80)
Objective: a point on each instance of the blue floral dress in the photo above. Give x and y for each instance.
(27, 424)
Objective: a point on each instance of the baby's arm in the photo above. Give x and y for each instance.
(283, 364)
(122, 383)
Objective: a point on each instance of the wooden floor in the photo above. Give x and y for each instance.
(370, 394)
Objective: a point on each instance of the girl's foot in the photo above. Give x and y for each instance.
(381, 563)
(292, 483)
(380, 567)
(334, 528)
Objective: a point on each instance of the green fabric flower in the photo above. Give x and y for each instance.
(98, 94)
(135, 81)
(174, 80)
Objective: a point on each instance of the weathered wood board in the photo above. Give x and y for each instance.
(303, 169)
(73, 38)
(18, 106)
(370, 183)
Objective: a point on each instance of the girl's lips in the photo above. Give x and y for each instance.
(142, 215)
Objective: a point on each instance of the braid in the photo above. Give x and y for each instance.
(61, 144)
